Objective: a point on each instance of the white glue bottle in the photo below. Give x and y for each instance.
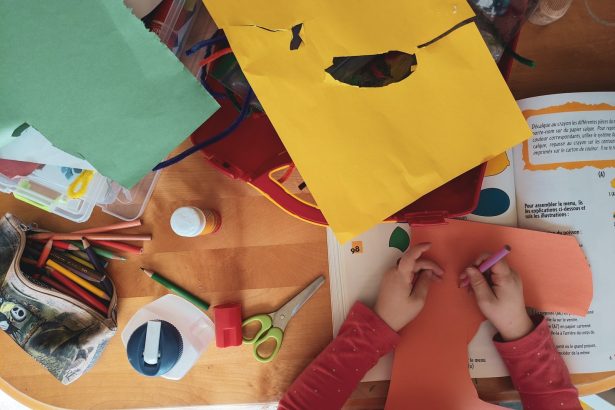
(190, 221)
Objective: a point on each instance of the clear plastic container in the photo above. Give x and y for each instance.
(129, 205)
(549, 11)
(47, 187)
(172, 21)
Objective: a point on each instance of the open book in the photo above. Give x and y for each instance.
(562, 180)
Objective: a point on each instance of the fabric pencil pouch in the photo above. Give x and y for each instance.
(62, 333)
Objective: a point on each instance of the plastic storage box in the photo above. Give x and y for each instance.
(172, 21)
(47, 187)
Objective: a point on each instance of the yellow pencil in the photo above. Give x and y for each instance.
(79, 260)
(81, 282)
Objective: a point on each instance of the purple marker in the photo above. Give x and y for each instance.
(495, 258)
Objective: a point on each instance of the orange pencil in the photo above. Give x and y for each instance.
(92, 237)
(45, 254)
(114, 227)
(102, 229)
(120, 246)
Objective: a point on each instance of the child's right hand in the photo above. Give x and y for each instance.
(502, 303)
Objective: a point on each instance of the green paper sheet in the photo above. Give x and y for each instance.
(91, 78)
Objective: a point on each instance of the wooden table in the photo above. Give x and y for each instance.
(261, 257)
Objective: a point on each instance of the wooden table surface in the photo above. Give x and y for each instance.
(261, 257)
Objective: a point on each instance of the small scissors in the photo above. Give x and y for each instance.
(273, 324)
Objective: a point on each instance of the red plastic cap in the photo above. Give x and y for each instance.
(227, 319)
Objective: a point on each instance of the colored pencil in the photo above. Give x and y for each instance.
(495, 258)
(44, 254)
(88, 249)
(84, 256)
(80, 254)
(94, 280)
(65, 246)
(84, 296)
(29, 261)
(101, 252)
(57, 285)
(79, 260)
(102, 229)
(120, 246)
(107, 286)
(113, 227)
(177, 289)
(79, 281)
(488, 263)
(93, 237)
(85, 272)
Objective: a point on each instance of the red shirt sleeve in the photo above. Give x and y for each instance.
(330, 379)
(538, 371)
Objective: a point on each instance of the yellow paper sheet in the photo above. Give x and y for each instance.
(366, 153)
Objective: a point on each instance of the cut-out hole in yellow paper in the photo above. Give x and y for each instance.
(377, 70)
(296, 41)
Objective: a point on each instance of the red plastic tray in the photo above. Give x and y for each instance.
(254, 151)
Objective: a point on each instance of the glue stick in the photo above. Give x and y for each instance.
(190, 221)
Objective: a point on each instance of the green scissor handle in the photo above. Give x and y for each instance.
(273, 333)
(266, 324)
(266, 332)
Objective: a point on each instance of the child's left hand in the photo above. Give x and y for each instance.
(404, 289)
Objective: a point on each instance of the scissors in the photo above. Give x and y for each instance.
(273, 324)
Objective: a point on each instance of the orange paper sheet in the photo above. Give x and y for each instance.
(430, 370)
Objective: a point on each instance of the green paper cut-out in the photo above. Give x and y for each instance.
(19, 130)
(399, 239)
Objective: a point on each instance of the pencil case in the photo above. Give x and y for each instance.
(63, 334)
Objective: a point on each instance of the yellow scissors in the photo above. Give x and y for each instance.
(273, 324)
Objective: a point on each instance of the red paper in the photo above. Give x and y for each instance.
(12, 169)
(430, 370)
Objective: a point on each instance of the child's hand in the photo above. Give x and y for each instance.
(403, 289)
(502, 303)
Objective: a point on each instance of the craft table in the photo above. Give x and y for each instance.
(261, 257)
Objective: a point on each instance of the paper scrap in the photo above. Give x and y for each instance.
(32, 146)
(97, 84)
(556, 277)
(12, 169)
(368, 152)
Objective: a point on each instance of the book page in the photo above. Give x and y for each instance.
(565, 179)
(355, 271)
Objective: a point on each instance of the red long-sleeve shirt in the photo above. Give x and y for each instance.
(536, 368)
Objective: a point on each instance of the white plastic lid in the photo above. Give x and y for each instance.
(196, 329)
(188, 221)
